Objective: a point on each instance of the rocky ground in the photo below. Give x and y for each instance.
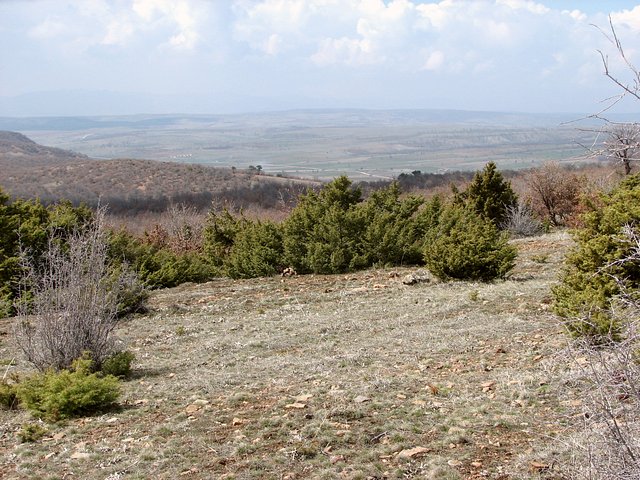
(344, 376)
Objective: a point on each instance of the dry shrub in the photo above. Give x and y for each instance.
(68, 304)
(520, 221)
(180, 229)
(554, 192)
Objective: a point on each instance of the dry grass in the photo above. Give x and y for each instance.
(325, 377)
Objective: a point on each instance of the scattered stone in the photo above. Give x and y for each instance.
(355, 291)
(289, 272)
(538, 466)
(80, 455)
(304, 398)
(413, 452)
(488, 386)
(361, 399)
(296, 405)
(193, 408)
(417, 277)
(189, 472)
(336, 458)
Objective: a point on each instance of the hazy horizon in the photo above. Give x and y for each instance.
(123, 57)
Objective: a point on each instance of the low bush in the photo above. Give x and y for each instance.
(68, 304)
(118, 364)
(31, 432)
(55, 395)
(520, 221)
(158, 267)
(466, 246)
(8, 395)
(555, 192)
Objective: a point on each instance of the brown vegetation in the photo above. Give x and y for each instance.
(132, 187)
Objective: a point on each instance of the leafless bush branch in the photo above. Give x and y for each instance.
(608, 380)
(521, 222)
(68, 303)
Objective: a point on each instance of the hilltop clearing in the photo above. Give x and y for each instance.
(341, 376)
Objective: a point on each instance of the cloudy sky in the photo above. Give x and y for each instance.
(209, 56)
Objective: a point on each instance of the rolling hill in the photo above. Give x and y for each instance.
(30, 170)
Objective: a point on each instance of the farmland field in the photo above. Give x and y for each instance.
(321, 144)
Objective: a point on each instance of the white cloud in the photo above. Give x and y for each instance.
(627, 18)
(118, 32)
(435, 61)
(576, 15)
(349, 51)
(502, 44)
(117, 23)
(533, 7)
(180, 16)
(49, 28)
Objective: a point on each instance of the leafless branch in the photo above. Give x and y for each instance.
(68, 303)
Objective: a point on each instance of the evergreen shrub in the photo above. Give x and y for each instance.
(390, 235)
(118, 364)
(490, 195)
(323, 232)
(257, 251)
(594, 272)
(59, 395)
(467, 246)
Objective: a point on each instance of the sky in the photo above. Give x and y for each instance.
(98, 57)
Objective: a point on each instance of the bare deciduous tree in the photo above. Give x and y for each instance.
(554, 191)
(623, 144)
(619, 141)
